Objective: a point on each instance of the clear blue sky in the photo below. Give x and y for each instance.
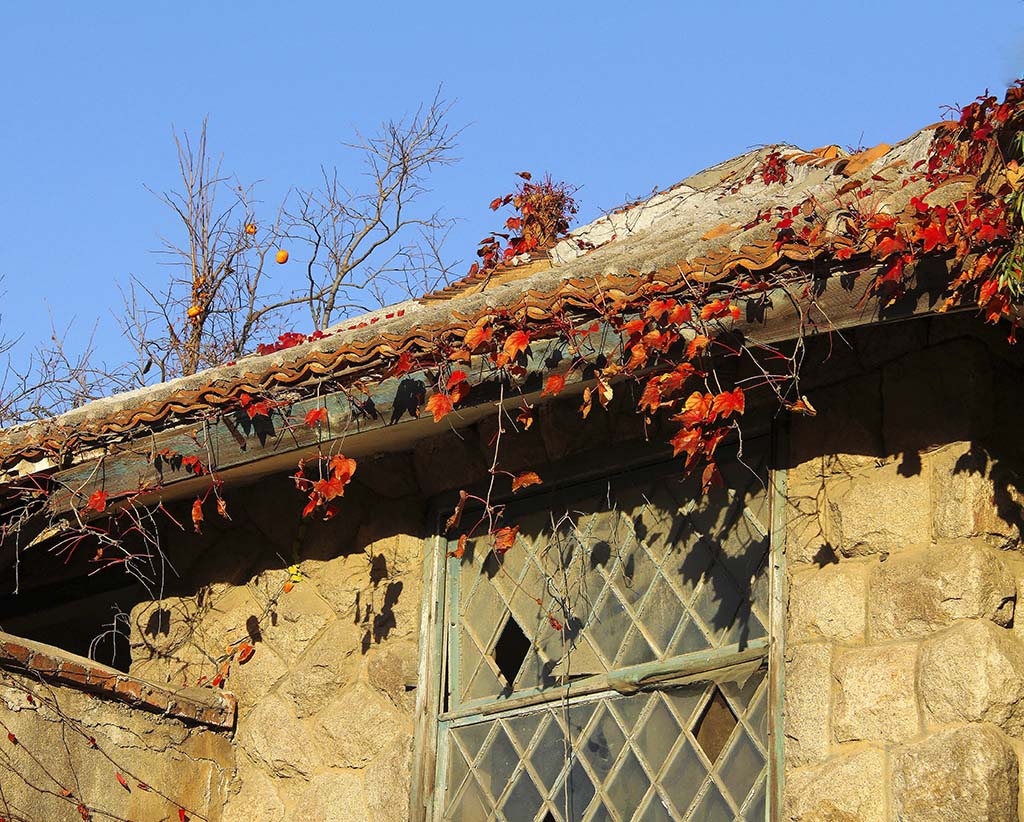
(615, 97)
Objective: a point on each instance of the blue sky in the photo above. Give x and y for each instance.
(616, 98)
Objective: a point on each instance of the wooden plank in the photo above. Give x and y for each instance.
(380, 418)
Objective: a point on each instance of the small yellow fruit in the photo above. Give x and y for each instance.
(282, 256)
(193, 311)
(250, 228)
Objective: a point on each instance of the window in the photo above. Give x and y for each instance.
(613, 665)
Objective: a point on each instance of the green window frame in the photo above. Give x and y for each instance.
(645, 682)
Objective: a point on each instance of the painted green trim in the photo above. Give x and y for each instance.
(624, 680)
(777, 623)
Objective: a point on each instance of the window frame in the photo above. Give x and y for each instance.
(438, 617)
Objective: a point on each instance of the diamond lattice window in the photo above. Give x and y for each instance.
(651, 701)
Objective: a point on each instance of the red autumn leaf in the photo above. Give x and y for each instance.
(193, 465)
(197, 515)
(635, 327)
(889, 245)
(245, 652)
(513, 223)
(674, 380)
(729, 402)
(524, 480)
(650, 399)
(328, 489)
(505, 538)
(181, 815)
(525, 417)
(553, 385)
(222, 507)
(459, 391)
(687, 440)
(555, 624)
(637, 356)
(711, 477)
(714, 309)
(402, 365)
(123, 781)
(217, 681)
(142, 786)
(680, 314)
(478, 336)
(12, 738)
(98, 502)
(342, 467)
(316, 416)
(460, 549)
(697, 346)
(289, 585)
(697, 408)
(658, 308)
(457, 376)
(439, 404)
(516, 343)
(934, 235)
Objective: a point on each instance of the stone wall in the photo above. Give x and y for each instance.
(71, 755)
(904, 680)
(326, 702)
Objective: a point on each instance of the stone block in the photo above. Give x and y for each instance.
(808, 698)
(272, 737)
(967, 774)
(829, 602)
(337, 796)
(357, 727)
(847, 788)
(974, 672)
(880, 510)
(807, 525)
(914, 594)
(256, 798)
(328, 666)
(875, 698)
(389, 782)
(968, 498)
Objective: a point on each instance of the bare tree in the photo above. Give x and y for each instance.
(363, 246)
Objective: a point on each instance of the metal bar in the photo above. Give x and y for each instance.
(624, 681)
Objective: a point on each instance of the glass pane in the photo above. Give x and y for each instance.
(601, 577)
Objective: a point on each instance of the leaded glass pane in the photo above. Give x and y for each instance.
(622, 758)
(601, 578)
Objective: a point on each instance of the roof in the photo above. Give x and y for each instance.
(710, 228)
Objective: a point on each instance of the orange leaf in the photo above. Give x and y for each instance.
(288, 586)
(123, 781)
(525, 417)
(680, 314)
(316, 416)
(637, 356)
(477, 336)
(729, 402)
(245, 652)
(342, 467)
(688, 440)
(403, 364)
(98, 502)
(524, 480)
(181, 815)
(460, 549)
(439, 404)
(697, 346)
(197, 515)
(456, 377)
(505, 538)
(222, 507)
(516, 343)
(715, 309)
(698, 408)
(459, 391)
(553, 385)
